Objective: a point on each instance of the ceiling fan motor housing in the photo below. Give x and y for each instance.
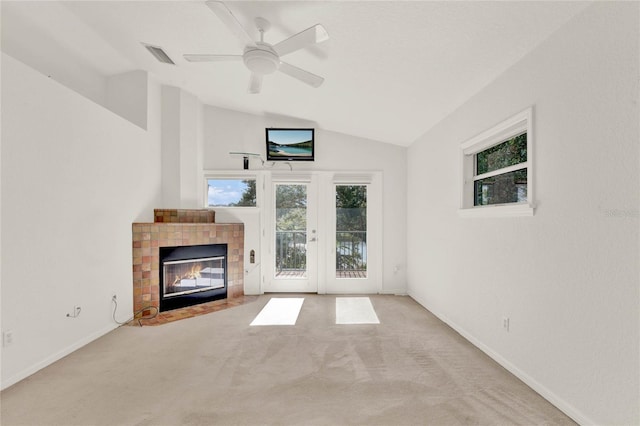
(261, 59)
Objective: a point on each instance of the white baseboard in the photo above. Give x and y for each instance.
(55, 357)
(547, 394)
(395, 292)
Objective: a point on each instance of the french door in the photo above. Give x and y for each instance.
(293, 239)
(323, 234)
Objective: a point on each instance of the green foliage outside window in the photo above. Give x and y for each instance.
(508, 153)
(248, 198)
(504, 188)
(351, 227)
(291, 227)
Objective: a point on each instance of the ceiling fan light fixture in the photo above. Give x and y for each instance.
(262, 58)
(261, 61)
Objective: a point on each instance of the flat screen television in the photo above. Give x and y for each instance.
(290, 144)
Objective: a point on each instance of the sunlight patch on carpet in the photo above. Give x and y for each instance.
(355, 310)
(279, 311)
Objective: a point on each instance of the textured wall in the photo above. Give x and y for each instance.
(568, 277)
(74, 178)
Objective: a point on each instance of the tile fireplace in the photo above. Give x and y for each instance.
(184, 258)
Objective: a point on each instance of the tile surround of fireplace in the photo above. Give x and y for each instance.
(174, 228)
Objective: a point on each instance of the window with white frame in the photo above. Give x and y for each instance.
(497, 169)
(227, 191)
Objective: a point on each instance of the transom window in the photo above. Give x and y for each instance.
(231, 192)
(497, 170)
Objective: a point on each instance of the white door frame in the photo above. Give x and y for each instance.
(372, 284)
(323, 185)
(308, 284)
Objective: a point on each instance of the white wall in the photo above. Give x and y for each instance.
(568, 278)
(226, 131)
(182, 139)
(23, 37)
(127, 95)
(170, 147)
(74, 178)
(190, 151)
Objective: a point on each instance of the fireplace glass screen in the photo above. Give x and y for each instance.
(192, 276)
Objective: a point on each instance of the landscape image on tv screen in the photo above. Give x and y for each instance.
(290, 144)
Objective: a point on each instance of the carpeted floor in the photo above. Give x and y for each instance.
(215, 369)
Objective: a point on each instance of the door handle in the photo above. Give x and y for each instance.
(313, 239)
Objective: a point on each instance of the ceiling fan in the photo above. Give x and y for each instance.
(260, 57)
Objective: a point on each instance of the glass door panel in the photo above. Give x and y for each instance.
(293, 243)
(291, 231)
(351, 231)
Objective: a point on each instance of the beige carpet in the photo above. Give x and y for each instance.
(215, 369)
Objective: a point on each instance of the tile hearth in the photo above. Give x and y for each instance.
(192, 311)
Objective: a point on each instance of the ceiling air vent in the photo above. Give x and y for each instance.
(159, 54)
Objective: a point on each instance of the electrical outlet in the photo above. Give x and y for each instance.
(76, 312)
(505, 323)
(7, 338)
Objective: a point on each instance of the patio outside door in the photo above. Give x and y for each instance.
(294, 247)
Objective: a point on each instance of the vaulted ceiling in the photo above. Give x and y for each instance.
(392, 69)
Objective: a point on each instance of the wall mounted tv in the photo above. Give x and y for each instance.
(290, 144)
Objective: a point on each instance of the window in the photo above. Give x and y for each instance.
(501, 173)
(497, 170)
(231, 192)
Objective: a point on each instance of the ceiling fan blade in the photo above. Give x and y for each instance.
(300, 74)
(255, 83)
(211, 58)
(313, 35)
(230, 21)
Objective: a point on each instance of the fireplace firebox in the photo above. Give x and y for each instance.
(190, 275)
